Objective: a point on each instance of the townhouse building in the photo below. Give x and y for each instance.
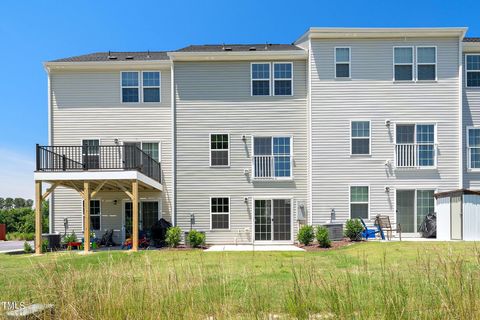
(247, 142)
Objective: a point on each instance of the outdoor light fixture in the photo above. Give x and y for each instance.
(115, 202)
(387, 189)
(387, 123)
(244, 137)
(332, 215)
(245, 199)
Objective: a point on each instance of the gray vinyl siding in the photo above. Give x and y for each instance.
(86, 105)
(214, 97)
(471, 117)
(372, 95)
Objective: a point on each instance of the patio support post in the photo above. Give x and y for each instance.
(135, 215)
(38, 217)
(86, 208)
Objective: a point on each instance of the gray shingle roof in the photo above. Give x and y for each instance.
(117, 56)
(471, 39)
(239, 47)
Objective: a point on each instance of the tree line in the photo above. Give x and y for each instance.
(19, 216)
(10, 203)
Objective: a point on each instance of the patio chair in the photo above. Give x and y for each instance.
(383, 223)
(368, 233)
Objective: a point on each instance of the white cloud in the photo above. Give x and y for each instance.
(16, 174)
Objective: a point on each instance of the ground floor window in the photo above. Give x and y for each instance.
(94, 215)
(412, 207)
(220, 213)
(359, 202)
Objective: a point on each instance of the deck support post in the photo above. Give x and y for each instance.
(135, 215)
(38, 217)
(86, 209)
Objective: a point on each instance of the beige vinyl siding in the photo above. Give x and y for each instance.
(471, 117)
(214, 97)
(86, 105)
(372, 95)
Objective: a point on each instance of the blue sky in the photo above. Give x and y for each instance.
(32, 32)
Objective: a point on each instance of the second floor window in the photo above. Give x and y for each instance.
(130, 87)
(219, 150)
(342, 62)
(426, 63)
(403, 63)
(415, 145)
(151, 148)
(282, 79)
(473, 144)
(260, 79)
(473, 70)
(151, 86)
(360, 135)
(272, 157)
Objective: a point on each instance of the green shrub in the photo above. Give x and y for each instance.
(195, 238)
(28, 236)
(70, 238)
(45, 245)
(27, 247)
(353, 229)
(322, 237)
(173, 237)
(306, 234)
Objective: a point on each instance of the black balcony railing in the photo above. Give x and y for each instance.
(113, 157)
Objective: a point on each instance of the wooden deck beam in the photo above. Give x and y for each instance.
(38, 217)
(86, 208)
(135, 215)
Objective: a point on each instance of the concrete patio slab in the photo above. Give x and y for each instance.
(250, 247)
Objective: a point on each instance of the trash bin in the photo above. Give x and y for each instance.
(3, 232)
(53, 240)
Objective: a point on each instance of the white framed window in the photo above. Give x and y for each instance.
(219, 150)
(130, 84)
(151, 86)
(260, 79)
(472, 68)
(272, 157)
(473, 148)
(95, 214)
(342, 63)
(359, 202)
(282, 78)
(426, 63)
(403, 63)
(220, 213)
(360, 137)
(415, 145)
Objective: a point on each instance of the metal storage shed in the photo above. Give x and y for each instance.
(458, 215)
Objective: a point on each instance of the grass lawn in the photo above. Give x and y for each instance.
(407, 280)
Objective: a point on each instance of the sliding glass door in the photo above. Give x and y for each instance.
(273, 220)
(412, 207)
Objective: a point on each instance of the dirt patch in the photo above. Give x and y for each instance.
(335, 245)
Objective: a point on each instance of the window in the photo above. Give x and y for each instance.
(220, 213)
(360, 134)
(272, 157)
(473, 70)
(260, 79)
(94, 214)
(130, 87)
(473, 144)
(342, 62)
(151, 148)
(415, 145)
(91, 154)
(282, 79)
(151, 86)
(219, 150)
(426, 63)
(403, 63)
(359, 202)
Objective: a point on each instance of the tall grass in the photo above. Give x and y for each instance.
(435, 285)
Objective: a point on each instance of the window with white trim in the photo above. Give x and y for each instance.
(94, 215)
(415, 145)
(473, 70)
(282, 79)
(91, 153)
(152, 149)
(260, 79)
(342, 62)
(359, 202)
(473, 145)
(151, 86)
(426, 63)
(272, 157)
(219, 150)
(360, 135)
(130, 86)
(403, 63)
(220, 213)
